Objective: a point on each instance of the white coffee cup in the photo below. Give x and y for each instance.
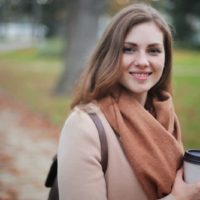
(191, 166)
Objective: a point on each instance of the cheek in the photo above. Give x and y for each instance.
(162, 59)
(162, 64)
(159, 63)
(126, 60)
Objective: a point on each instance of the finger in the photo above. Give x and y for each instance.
(180, 173)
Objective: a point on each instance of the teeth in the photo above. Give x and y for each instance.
(141, 74)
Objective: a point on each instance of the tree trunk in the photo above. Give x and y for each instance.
(81, 35)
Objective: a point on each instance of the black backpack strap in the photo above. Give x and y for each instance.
(52, 175)
(103, 140)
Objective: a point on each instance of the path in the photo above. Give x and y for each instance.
(28, 142)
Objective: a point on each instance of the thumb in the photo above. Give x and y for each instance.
(179, 174)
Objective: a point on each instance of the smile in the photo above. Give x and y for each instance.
(141, 75)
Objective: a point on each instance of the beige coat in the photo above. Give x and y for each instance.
(80, 176)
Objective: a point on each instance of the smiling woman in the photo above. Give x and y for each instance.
(143, 60)
(127, 83)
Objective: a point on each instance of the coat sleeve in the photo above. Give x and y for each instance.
(80, 175)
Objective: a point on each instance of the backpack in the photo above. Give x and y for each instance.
(51, 180)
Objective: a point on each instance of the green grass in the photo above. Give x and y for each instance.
(186, 59)
(30, 76)
(30, 79)
(187, 99)
(187, 95)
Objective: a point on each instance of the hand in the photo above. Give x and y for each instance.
(184, 191)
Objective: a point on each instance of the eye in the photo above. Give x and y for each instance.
(154, 51)
(129, 50)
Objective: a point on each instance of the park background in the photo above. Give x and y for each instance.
(43, 45)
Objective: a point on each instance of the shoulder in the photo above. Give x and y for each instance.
(79, 117)
(79, 127)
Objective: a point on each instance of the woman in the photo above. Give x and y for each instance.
(127, 83)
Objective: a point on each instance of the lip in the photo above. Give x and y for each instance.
(140, 75)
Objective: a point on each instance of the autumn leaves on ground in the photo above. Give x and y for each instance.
(28, 142)
(31, 116)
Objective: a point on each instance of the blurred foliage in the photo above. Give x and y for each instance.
(184, 14)
(51, 48)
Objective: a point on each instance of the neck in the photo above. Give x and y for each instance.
(141, 98)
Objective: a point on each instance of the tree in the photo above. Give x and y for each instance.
(54, 14)
(81, 35)
(184, 13)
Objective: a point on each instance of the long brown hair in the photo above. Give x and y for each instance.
(103, 70)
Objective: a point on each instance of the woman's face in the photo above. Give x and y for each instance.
(142, 60)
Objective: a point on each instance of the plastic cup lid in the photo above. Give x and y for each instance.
(192, 156)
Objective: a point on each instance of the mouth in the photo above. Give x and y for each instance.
(140, 75)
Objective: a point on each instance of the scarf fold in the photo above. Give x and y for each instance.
(152, 144)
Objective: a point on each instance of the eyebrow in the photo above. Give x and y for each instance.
(130, 43)
(151, 45)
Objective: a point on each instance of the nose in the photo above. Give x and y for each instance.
(141, 60)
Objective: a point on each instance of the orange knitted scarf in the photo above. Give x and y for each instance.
(152, 143)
